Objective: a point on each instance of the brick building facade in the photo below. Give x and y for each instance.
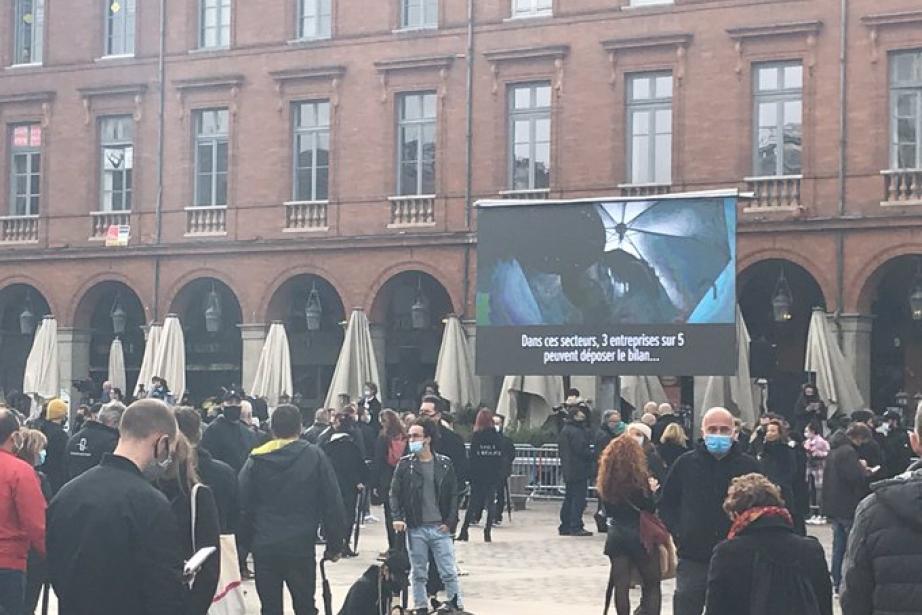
(323, 144)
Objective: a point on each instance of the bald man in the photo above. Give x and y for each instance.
(692, 505)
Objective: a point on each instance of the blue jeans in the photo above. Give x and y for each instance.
(12, 591)
(421, 540)
(574, 504)
(840, 531)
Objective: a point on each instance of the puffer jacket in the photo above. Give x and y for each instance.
(883, 564)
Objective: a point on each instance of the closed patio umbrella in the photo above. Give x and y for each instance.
(273, 373)
(42, 376)
(147, 363)
(835, 381)
(117, 365)
(170, 360)
(454, 369)
(735, 393)
(529, 399)
(356, 364)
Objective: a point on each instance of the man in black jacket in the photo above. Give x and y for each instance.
(86, 448)
(846, 477)
(577, 461)
(349, 466)
(424, 501)
(227, 438)
(692, 505)
(883, 565)
(113, 542)
(897, 449)
(448, 442)
(287, 488)
(216, 475)
(321, 424)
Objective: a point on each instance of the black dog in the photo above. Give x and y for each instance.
(375, 590)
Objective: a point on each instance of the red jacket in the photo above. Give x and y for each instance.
(22, 512)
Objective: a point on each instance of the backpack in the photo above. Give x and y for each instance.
(781, 587)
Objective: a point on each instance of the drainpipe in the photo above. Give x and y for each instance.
(469, 153)
(843, 142)
(158, 210)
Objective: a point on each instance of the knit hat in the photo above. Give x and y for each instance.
(642, 428)
(57, 410)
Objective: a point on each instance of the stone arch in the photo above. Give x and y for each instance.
(182, 282)
(90, 291)
(37, 286)
(859, 293)
(747, 261)
(371, 299)
(272, 289)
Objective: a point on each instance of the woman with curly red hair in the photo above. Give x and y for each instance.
(626, 487)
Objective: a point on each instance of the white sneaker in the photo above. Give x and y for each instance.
(371, 519)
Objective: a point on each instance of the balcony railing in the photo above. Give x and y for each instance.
(19, 229)
(100, 222)
(527, 194)
(305, 216)
(644, 189)
(206, 221)
(412, 210)
(774, 192)
(902, 187)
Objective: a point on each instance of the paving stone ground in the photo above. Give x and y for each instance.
(527, 570)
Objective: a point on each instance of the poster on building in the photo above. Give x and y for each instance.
(117, 235)
(609, 286)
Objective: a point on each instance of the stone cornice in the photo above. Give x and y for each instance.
(442, 62)
(308, 73)
(653, 41)
(545, 52)
(203, 83)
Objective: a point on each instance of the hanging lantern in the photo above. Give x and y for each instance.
(419, 311)
(119, 317)
(782, 300)
(27, 321)
(313, 311)
(915, 295)
(213, 311)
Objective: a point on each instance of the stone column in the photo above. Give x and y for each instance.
(74, 362)
(856, 346)
(253, 336)
(379, 343)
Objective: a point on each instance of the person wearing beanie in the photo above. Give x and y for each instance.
(644, 434)
(51, 423)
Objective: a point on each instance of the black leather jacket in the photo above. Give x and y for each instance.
(407, 489)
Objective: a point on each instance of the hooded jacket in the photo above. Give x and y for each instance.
(287, 488)
(407, 489)
(883, 564)
(86, 447)
(844, 482)
(692, 499)
(228, 441)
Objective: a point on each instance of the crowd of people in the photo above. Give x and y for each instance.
(114, 513)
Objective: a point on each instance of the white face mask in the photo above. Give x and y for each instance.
(366, 418)
(640, 440)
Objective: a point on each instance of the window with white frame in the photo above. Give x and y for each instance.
(29, 28)
(214, 24)
(532, 8)
(649, 117)
(778, 94)
(419, 13)
(211, 157)
(416, 133)
(315, 18)
(906, 110)
(116, 142)
(120, 16)
(25, 169)
(311, 151)
(530, 136)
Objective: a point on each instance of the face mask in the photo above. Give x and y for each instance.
(157, 468)
(40, 458)
(367, 393)
(232, 413)
(640, 440)
(498, 428)
(366, 418)
(416, 447)
(718, 444)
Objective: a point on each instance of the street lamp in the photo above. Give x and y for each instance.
(213, 311)
(915, 295)
(313, 311)
(782, 300)
(27, 318)
(419, 311)
(119, 317)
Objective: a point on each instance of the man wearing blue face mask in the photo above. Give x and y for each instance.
(691, 505)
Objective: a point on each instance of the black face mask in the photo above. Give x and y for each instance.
(232, 413)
